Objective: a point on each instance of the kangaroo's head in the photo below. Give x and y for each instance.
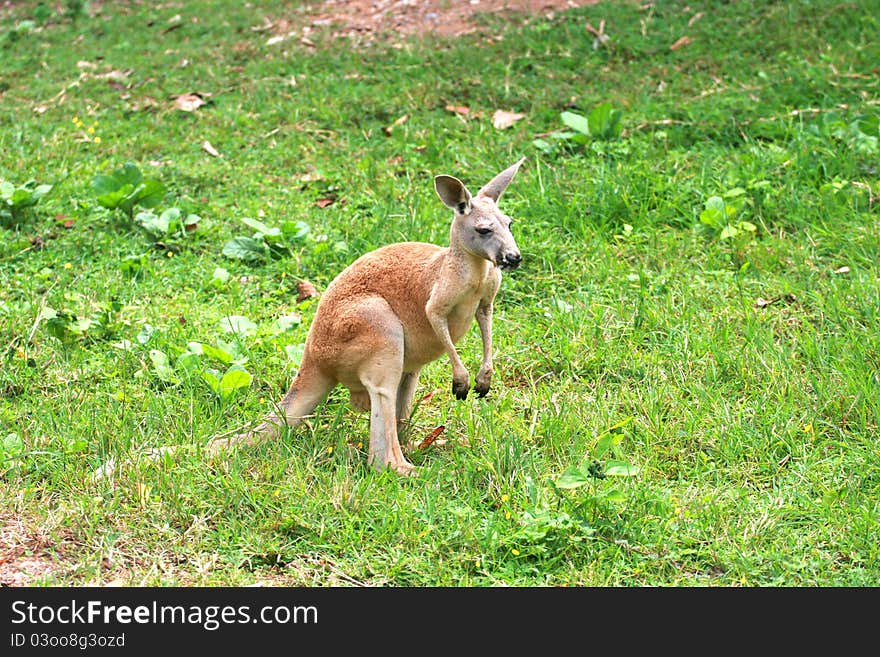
(479, 227)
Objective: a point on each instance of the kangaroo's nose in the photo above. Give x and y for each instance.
(512, 260)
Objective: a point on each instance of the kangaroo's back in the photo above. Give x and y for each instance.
(402, 274)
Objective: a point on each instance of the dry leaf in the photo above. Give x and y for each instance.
(760, 302)
(459, 109)
(173, 23)
(400, 121)
(430, 395)
(502, 119)
(115, 76)
(324, 202)
(431, 437)
(842, 270)
(209, 149)
(145, 103)
(189, 102)
(601, 38)
(681, 43)
(305, 290)
(695, 18)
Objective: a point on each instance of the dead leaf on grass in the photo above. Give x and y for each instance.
(431, 437)
(502, 119)
(113, 76)
(761, 302)
(429, 395)
(695, 18)
(271, 41)
(209, 149)
(461, 110)
(190, 102)
(145, 103)
(305, 290)
(842, 270)
(324, 202)
(601, 38)
(399, 121)
(681, 43)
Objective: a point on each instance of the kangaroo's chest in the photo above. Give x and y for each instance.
(461, 316)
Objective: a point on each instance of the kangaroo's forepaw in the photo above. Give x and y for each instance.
(460, 389)
(484, 381)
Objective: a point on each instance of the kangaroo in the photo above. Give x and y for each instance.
(395, 309)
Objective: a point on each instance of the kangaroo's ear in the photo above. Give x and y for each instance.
(495, 187)
(453, 193)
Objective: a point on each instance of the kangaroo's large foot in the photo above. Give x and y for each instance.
(220, 446)
(406, 469)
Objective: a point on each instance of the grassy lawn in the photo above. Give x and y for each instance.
(687, 369)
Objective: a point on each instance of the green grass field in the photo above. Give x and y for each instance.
(687, 369)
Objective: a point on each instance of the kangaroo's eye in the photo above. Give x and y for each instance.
(484, 231)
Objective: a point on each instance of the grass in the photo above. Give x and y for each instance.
(753, 426)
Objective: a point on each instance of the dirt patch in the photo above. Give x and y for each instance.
(367, 20)
(23, 554)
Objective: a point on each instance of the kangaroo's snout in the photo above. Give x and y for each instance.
(510, 260)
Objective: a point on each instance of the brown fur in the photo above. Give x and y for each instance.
(396, 309)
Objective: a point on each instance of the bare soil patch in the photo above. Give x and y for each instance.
(370, 19)
(24, 553)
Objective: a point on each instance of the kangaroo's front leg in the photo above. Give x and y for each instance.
(484, 321)
(437, 313)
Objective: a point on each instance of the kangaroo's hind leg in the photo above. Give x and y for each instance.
(309, 387)
(380, 370)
